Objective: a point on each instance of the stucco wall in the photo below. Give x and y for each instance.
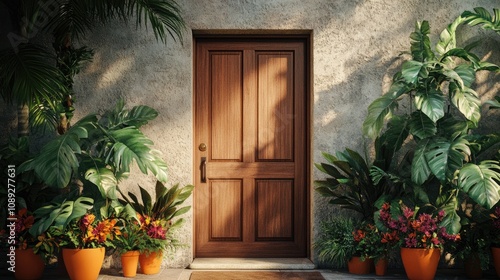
(355, 48)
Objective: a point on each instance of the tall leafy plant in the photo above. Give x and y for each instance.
(444, 109)
(33, 77)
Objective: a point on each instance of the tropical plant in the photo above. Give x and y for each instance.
(44, 245)
(31, 75)
(88, 231)
(473, 243)
(443, 110)
(157, 216)
(335, 243)
(373, 243)
(131, 236)
(96, 151)
(352, 182)
(164, 206)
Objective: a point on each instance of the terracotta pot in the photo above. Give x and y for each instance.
(29, 266)
(130, 260)
(83, 264)
(495, 251)
(381, 266)
(420, 263)
(356, 266)
(472, 267)
(150, 262)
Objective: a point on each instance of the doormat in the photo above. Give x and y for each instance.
(255, 275)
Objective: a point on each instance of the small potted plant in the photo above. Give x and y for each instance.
(335, 243)
(378, 245)
(128, 244)
(84, 240)
(156, 218)
(421, 237)
(31, 252)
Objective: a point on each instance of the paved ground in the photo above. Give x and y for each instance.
(183, 274)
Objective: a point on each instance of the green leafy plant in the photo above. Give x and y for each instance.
(98, 150)
(33, 77)
(444, 110)
(335, 243)
(350, 184)
(131, 236)
(157, 215)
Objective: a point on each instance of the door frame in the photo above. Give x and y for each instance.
(306, 36)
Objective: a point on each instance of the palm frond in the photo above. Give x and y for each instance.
(28, 75)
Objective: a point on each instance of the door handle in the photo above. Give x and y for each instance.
(203, 169)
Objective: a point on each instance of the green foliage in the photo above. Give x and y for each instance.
(99, 150)
(335, 244)
(444, 110)
(166, 202)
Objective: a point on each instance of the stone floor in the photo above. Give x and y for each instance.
(255, 264)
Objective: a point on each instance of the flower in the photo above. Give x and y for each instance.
(416, 230)
(19, 235)
(88, 232)
(156, 233)
(374, 243)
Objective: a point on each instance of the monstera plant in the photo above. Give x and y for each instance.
(93, 156)
(438, 129)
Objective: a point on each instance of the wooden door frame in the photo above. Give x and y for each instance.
(306, 36)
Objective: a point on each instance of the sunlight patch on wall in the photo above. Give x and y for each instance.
(114, 72)
(328, 118)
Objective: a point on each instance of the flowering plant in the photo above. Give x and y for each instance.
(88, 232)
(416, 231)
(374, 243)
(43, 244)
(156, 234)
(130, 239)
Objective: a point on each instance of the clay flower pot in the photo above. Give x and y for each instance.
(150, 262)
(356, 266)
(130, 260)
(83, 264)
(420, 263)
(29, 266)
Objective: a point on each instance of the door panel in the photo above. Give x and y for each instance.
(251, 114)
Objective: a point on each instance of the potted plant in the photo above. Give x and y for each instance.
(377, 244)
(84, 240)
(421, 237)
(128, 244)
(156, 218)
(31, 252)
(473, 249)
(439, 126)
(335, 243)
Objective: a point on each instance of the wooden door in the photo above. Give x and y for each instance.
(251, 150)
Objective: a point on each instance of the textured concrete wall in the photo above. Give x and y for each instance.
(355, 46)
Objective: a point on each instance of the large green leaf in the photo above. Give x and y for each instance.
(481, 182)
(411, 71)
(120, 117)
(483, 17)
(382, 108)
(444, 157)
(431, 103)
(420, 42)
(420, 170)
(103, 178)
(447, 38)
(57, 161)
(467, 102)
(421, 126)
(60, 214)
(397, 132)
(131, 144)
